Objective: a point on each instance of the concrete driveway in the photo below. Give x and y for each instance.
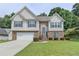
(12, 47)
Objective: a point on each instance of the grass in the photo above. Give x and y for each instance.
(2, 41)
(52, 48)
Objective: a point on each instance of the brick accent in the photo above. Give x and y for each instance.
(50, 34)
(13, 35)
(61, 34)
(36, 34)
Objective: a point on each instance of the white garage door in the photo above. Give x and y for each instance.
(25, 35)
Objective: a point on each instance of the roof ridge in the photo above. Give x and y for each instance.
(22, 10)
(42, 16)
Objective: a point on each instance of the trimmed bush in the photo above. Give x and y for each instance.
(55, 38)
(61, 38)
(70, 31)
(67, 38)
(36, 39)
(50, 38)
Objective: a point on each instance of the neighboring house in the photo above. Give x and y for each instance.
(26, 25)
(3, 34)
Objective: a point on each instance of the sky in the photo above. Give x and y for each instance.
(36, 8)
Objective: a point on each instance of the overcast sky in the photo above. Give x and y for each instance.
(36, 8)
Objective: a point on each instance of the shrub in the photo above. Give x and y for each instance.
(61, 38)
(36, 39)
(55, 38)
(67, 38)
(70, 31)
(50, 38)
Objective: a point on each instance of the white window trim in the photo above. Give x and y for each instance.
(55, 24)
(18, 25)
(31, 24)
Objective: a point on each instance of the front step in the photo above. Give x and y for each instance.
(44, 38)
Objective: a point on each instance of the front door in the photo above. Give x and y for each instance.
(44, 32)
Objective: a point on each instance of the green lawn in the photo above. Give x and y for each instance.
(52, 48)
(1, 41)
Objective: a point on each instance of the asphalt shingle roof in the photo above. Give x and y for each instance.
(43, 18)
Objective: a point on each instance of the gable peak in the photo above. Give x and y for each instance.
(26, 8)
(56, 14)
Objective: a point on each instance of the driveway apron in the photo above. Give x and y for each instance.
(12, 47)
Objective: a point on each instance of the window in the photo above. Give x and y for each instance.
(31, 23)
(59, 24)
(52, 24)
(18, 23)
(56, 24)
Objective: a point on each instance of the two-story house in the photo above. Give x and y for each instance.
(26, 25)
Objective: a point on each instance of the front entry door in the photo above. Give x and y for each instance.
(44, 33)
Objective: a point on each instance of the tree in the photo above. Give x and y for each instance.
(43, 14)
(75, 9)
(6, 22)
(52, 11)
(1, 19)
(12, 14)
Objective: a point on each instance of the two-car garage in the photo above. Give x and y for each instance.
(25, 36)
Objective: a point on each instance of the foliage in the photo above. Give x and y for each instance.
(36, 39)
(72, 32)
(75, 9)
(43, 14)
(52, 11)
(5, 22)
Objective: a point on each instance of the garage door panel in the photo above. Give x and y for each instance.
(25, 35)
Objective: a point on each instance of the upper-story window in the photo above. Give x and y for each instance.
(56, 24)
(59, 24)
(18, 23)
(31, 23)
(52, 24)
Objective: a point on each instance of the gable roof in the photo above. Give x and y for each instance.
(56, 14)
(43, 18)
(18, 13)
